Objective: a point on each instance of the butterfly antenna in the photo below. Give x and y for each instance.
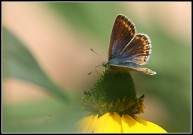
(97, 65)
(97, 54)
(89, 73)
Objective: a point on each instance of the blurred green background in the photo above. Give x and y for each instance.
(46, 59)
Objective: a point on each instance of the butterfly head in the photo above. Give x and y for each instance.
(105, 63)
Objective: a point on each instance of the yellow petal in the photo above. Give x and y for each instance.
(113, 123)
(99, 126)
(150, 127)
(92, 123)
(130, 125)
(117, 121)
(87, 124)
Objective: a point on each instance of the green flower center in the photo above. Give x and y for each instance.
(113, 92)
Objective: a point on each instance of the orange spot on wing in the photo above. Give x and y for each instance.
(142, 39)
(123, 22)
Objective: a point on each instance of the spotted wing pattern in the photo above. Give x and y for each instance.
(137, 51)
(122, 33)
(128, 50)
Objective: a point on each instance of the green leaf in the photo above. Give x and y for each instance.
(19, 63)
(47, 115)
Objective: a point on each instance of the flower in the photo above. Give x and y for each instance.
(114, 123)
(114, 106)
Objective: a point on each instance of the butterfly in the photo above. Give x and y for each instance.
(128, 49)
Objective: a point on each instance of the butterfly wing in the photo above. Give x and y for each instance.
(127, 49)
(135, 54)
(137, 51)
(133, 66)
(122, 33)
